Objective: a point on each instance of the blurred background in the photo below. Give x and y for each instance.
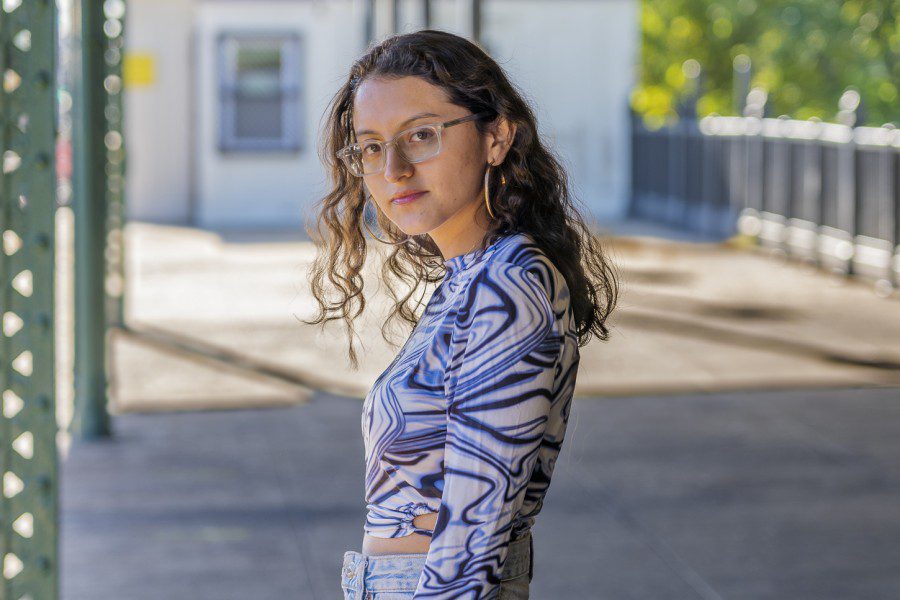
(170, 428)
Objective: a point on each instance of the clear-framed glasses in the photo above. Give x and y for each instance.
(415, 144)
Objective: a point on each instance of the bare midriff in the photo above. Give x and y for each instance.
(414, 543)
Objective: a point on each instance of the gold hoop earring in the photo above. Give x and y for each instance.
(366, 225)
(487, 200)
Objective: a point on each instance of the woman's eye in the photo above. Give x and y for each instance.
(422, 135)
(370, 148)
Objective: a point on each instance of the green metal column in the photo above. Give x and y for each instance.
(90, 418)
(28, 459)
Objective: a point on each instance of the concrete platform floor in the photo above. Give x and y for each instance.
(693, 316)
(739, 496)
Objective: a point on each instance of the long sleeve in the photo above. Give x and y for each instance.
(503, 355)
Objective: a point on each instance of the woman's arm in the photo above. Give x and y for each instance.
(501, 368)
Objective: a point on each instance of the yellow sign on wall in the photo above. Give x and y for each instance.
(139, 69)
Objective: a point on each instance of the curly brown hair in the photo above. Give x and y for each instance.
(535, 199)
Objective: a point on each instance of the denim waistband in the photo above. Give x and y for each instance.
(400, 572)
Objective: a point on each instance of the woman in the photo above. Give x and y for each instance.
(463, 429)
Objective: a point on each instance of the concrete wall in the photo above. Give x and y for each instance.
(578, 86)
(157, 115)
(270, 188)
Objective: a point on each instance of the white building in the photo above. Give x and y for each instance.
(200, 153)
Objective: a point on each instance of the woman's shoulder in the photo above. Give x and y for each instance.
(519, 274)
(522, 250)
(510, 301)
(520, 253)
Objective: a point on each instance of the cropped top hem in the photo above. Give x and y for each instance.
(383, 522)
(395, 531)
(404, 526)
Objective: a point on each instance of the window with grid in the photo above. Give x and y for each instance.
(259, 92)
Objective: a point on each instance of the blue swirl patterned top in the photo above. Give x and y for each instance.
(469, 418)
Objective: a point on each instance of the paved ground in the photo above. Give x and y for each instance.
(215, 323)
(737, 437)
(737, 496)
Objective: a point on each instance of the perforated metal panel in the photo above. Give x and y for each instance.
(28, 461)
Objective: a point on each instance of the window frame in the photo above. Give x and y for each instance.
(291, 92)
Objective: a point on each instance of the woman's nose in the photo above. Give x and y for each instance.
(395, 164)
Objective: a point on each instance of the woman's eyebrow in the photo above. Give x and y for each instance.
(412, 118)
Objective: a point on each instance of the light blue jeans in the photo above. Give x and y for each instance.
(395, 576)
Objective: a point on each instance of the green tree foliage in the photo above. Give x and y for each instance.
(803, 53)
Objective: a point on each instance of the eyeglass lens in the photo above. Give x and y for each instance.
(415, 145)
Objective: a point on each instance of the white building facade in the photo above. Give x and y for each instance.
(225, 99)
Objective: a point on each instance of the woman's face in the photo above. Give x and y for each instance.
(452, 180)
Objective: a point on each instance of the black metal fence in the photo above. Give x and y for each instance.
(822, 192)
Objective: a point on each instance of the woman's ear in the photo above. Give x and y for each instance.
(499, 139)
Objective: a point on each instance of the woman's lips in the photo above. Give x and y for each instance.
(408, 199)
